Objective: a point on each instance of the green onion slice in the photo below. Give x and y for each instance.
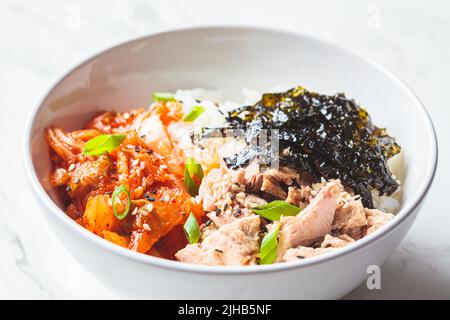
(195, 112)
(269, 245)
(163, 96)
(193, 175)
(275, 209)
(103, 143)
(117, 192)
(191, 229)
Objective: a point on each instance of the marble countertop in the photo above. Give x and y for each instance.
(41, 39)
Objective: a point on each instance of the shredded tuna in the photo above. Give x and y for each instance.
(336, 242)
(304, 252)
(271, 186)
(273, 180)
(349, 216)
(329, 244)
(312, 223)
(236, 243)
(223, 194)
(299, 197)
(376, 219)
(216, 186)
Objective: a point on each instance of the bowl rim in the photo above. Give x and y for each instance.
(406, 210)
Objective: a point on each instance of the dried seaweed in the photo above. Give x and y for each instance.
(326, 136)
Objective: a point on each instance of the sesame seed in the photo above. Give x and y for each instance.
(300, 257)
(135, 162)
(126, 115)
(68, 188)
(218, 250)
(142, 136)
(149, 151)
(149, 207)
(71, 167)
(235, 187)
(233, 196)
(165, 199)
(137, 149)
(130, 146)
(218, 212)
(146, 227)
(77, 180)
(133, 213)
(240, 196)
(208, 222)
(225, 206)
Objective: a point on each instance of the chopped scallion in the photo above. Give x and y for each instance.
(103, 143)
(269, 245)
(275, 209)
(194, 113)
(193, 175)
(163, 96)
(191, 229)
(116, 193)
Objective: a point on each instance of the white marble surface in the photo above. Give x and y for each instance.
(40, 39)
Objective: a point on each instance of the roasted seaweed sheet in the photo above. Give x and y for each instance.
(325, 136)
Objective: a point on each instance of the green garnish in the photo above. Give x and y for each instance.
(191, 229)
(193, 175)
(117, 192)
(275, 209)
(269, 244)
(103, 143)
(163, 96)
(195, 112)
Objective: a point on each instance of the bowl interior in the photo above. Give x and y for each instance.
(230, 59)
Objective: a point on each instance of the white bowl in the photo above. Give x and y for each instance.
(229, 59)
